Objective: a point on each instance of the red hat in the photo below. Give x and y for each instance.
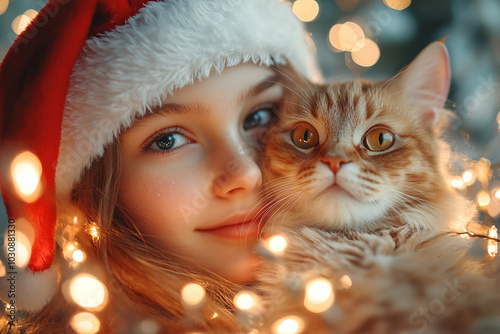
(85, 69)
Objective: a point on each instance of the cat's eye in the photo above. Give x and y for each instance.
(378, 139)
(305, 136)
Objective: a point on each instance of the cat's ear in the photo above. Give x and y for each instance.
(425, 82)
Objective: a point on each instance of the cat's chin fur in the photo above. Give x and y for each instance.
(342, 212)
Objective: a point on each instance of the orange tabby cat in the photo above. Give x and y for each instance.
(363, 158)
(362, 155)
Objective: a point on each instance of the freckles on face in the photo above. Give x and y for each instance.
(159, 193)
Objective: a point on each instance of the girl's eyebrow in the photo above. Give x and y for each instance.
(175, 108)
(169, 109)
(265, 84)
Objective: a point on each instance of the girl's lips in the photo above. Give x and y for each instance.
(244, 230)
(242, 226)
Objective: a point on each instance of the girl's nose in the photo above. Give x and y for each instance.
(238, 175)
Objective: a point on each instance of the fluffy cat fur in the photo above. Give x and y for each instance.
(402, 283)
(374, 211)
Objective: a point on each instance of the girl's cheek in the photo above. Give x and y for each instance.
(169, 197)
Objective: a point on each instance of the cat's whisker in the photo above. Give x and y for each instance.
(280, 205)
(296, 83)
(304, 108)
(306, 102)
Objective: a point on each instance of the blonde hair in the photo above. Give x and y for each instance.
(146, 282)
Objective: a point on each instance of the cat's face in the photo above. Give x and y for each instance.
(350, 155)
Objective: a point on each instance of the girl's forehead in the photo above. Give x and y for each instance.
(242, 77)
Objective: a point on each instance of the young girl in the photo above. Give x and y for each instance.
(145, 117)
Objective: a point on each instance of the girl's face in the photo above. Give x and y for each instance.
(190, 180)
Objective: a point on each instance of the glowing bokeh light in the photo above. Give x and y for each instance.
(26, 170)
(496, 194)
(319, 295)
(498, 118)
(4, 4)
(87, 291)
(469, 177)
(94, 231)
(483, 198)
(351, 37)
(23, 250)
(245, 300)
(20, 23)
(85, 323)
(367, 55)
(21, 245)
(305, 10)
(334, 37)
(492, 244)
(457, 183)
(277, 244)
(346, 281)
(397, 4)
(193, 294)
(288, 325)
(78, 256)
(31, 13)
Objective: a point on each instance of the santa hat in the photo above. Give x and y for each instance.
(85, 69)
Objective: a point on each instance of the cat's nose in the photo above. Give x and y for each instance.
(334, 162)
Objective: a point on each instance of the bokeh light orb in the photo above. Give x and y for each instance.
(245, 300)
(483, 198)
(288, 325)
(26, 170)
(397, 4)
(4, 4)
(319, 295)
(367, 55)
(87, 291)
(85, 323)
(193, 294)
(305, 10)
(277, 244)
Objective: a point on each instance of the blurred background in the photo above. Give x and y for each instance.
(374, 39)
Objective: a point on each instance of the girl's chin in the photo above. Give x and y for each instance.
(244, 272)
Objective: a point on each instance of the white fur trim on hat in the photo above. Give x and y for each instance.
(167, 45)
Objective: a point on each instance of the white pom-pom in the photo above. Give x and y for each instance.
(27, 290)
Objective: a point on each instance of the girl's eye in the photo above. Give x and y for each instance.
(378, 139)
(305, 136)
(261, 117)
(167, 141)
